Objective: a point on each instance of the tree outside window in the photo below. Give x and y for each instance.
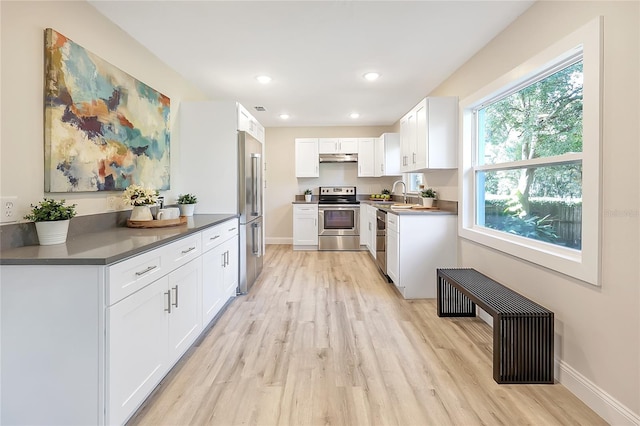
(529, 160)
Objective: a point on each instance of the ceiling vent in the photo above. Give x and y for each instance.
(260, 108)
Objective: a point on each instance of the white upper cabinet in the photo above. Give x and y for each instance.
(247, 123)
(429, 135)
(307, 159)
(366, 157)
(338, 145)
(387, 156)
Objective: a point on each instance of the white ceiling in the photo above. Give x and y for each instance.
(315, 51)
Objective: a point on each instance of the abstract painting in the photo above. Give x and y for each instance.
(104, 130)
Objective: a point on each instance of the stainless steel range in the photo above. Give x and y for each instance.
(338, 218)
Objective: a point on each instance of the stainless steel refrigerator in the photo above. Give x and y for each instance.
(250, 209)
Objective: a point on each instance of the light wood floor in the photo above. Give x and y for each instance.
(322, 339)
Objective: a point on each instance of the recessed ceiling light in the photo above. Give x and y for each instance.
(264, 79)
(371, 76)
(354, 115)
(284, 116)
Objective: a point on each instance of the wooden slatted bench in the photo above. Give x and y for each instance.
(522, 329)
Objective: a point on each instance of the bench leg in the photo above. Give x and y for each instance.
(452, 303)
(523, 349)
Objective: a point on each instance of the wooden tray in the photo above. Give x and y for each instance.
(156, 223)
(424, 208)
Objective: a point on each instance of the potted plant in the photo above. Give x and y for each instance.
(386, 194)
(187, 204)
(141, 199)
(307, 195)
(52, 220)
(428, 195)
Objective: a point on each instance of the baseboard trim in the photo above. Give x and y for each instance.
(278, 240)
(607, 407)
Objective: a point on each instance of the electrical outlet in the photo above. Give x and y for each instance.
(112, 203)
(8, 207)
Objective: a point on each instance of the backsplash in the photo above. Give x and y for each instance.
(24, 234)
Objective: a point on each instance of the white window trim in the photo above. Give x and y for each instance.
(581, 264)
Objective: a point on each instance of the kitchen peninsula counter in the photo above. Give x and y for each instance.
(448, 209)
(107, 246)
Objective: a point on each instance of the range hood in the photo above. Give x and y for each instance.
(338, 158)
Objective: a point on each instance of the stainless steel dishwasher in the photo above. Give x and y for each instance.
(381, 242)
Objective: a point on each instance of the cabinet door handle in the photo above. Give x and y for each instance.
(414, 158)
(214, 238)
(188, 250)
(176, 290)
(223, 260)
(226, 258)
(150, 268)
(168, 308)
(232, 229)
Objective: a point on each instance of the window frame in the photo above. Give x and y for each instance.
(582, 264)
(406, 178)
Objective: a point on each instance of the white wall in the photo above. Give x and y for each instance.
(597, 328)
(21, 134)
(283, 186)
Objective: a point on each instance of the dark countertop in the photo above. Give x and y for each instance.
(107, 246)
(386, 206)
(304, 202)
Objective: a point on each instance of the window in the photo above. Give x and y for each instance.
(530, 145)
(529, 159)
(413, 181)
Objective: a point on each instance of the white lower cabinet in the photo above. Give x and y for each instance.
(416, 246)
(230, 270)
(393, 251)
(86, 344)
(185, 309)
(219, 268)
(138, 346)
(368, 223)
(149, 330)
(305, 226)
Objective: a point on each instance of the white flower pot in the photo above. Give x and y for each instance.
(52, 232)
(141, 213)
(186, 209)
(307, 197)
(427, 202)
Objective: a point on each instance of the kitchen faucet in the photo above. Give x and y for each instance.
(404, 190)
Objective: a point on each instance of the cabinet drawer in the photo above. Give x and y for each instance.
(392, 222)
(131, 275)
(215, 235)
(302, 210)
(182, 251)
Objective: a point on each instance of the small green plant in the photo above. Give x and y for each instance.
(50, 210)
(428, 193)
(187, 199)
(385, 192)
(307, 192)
